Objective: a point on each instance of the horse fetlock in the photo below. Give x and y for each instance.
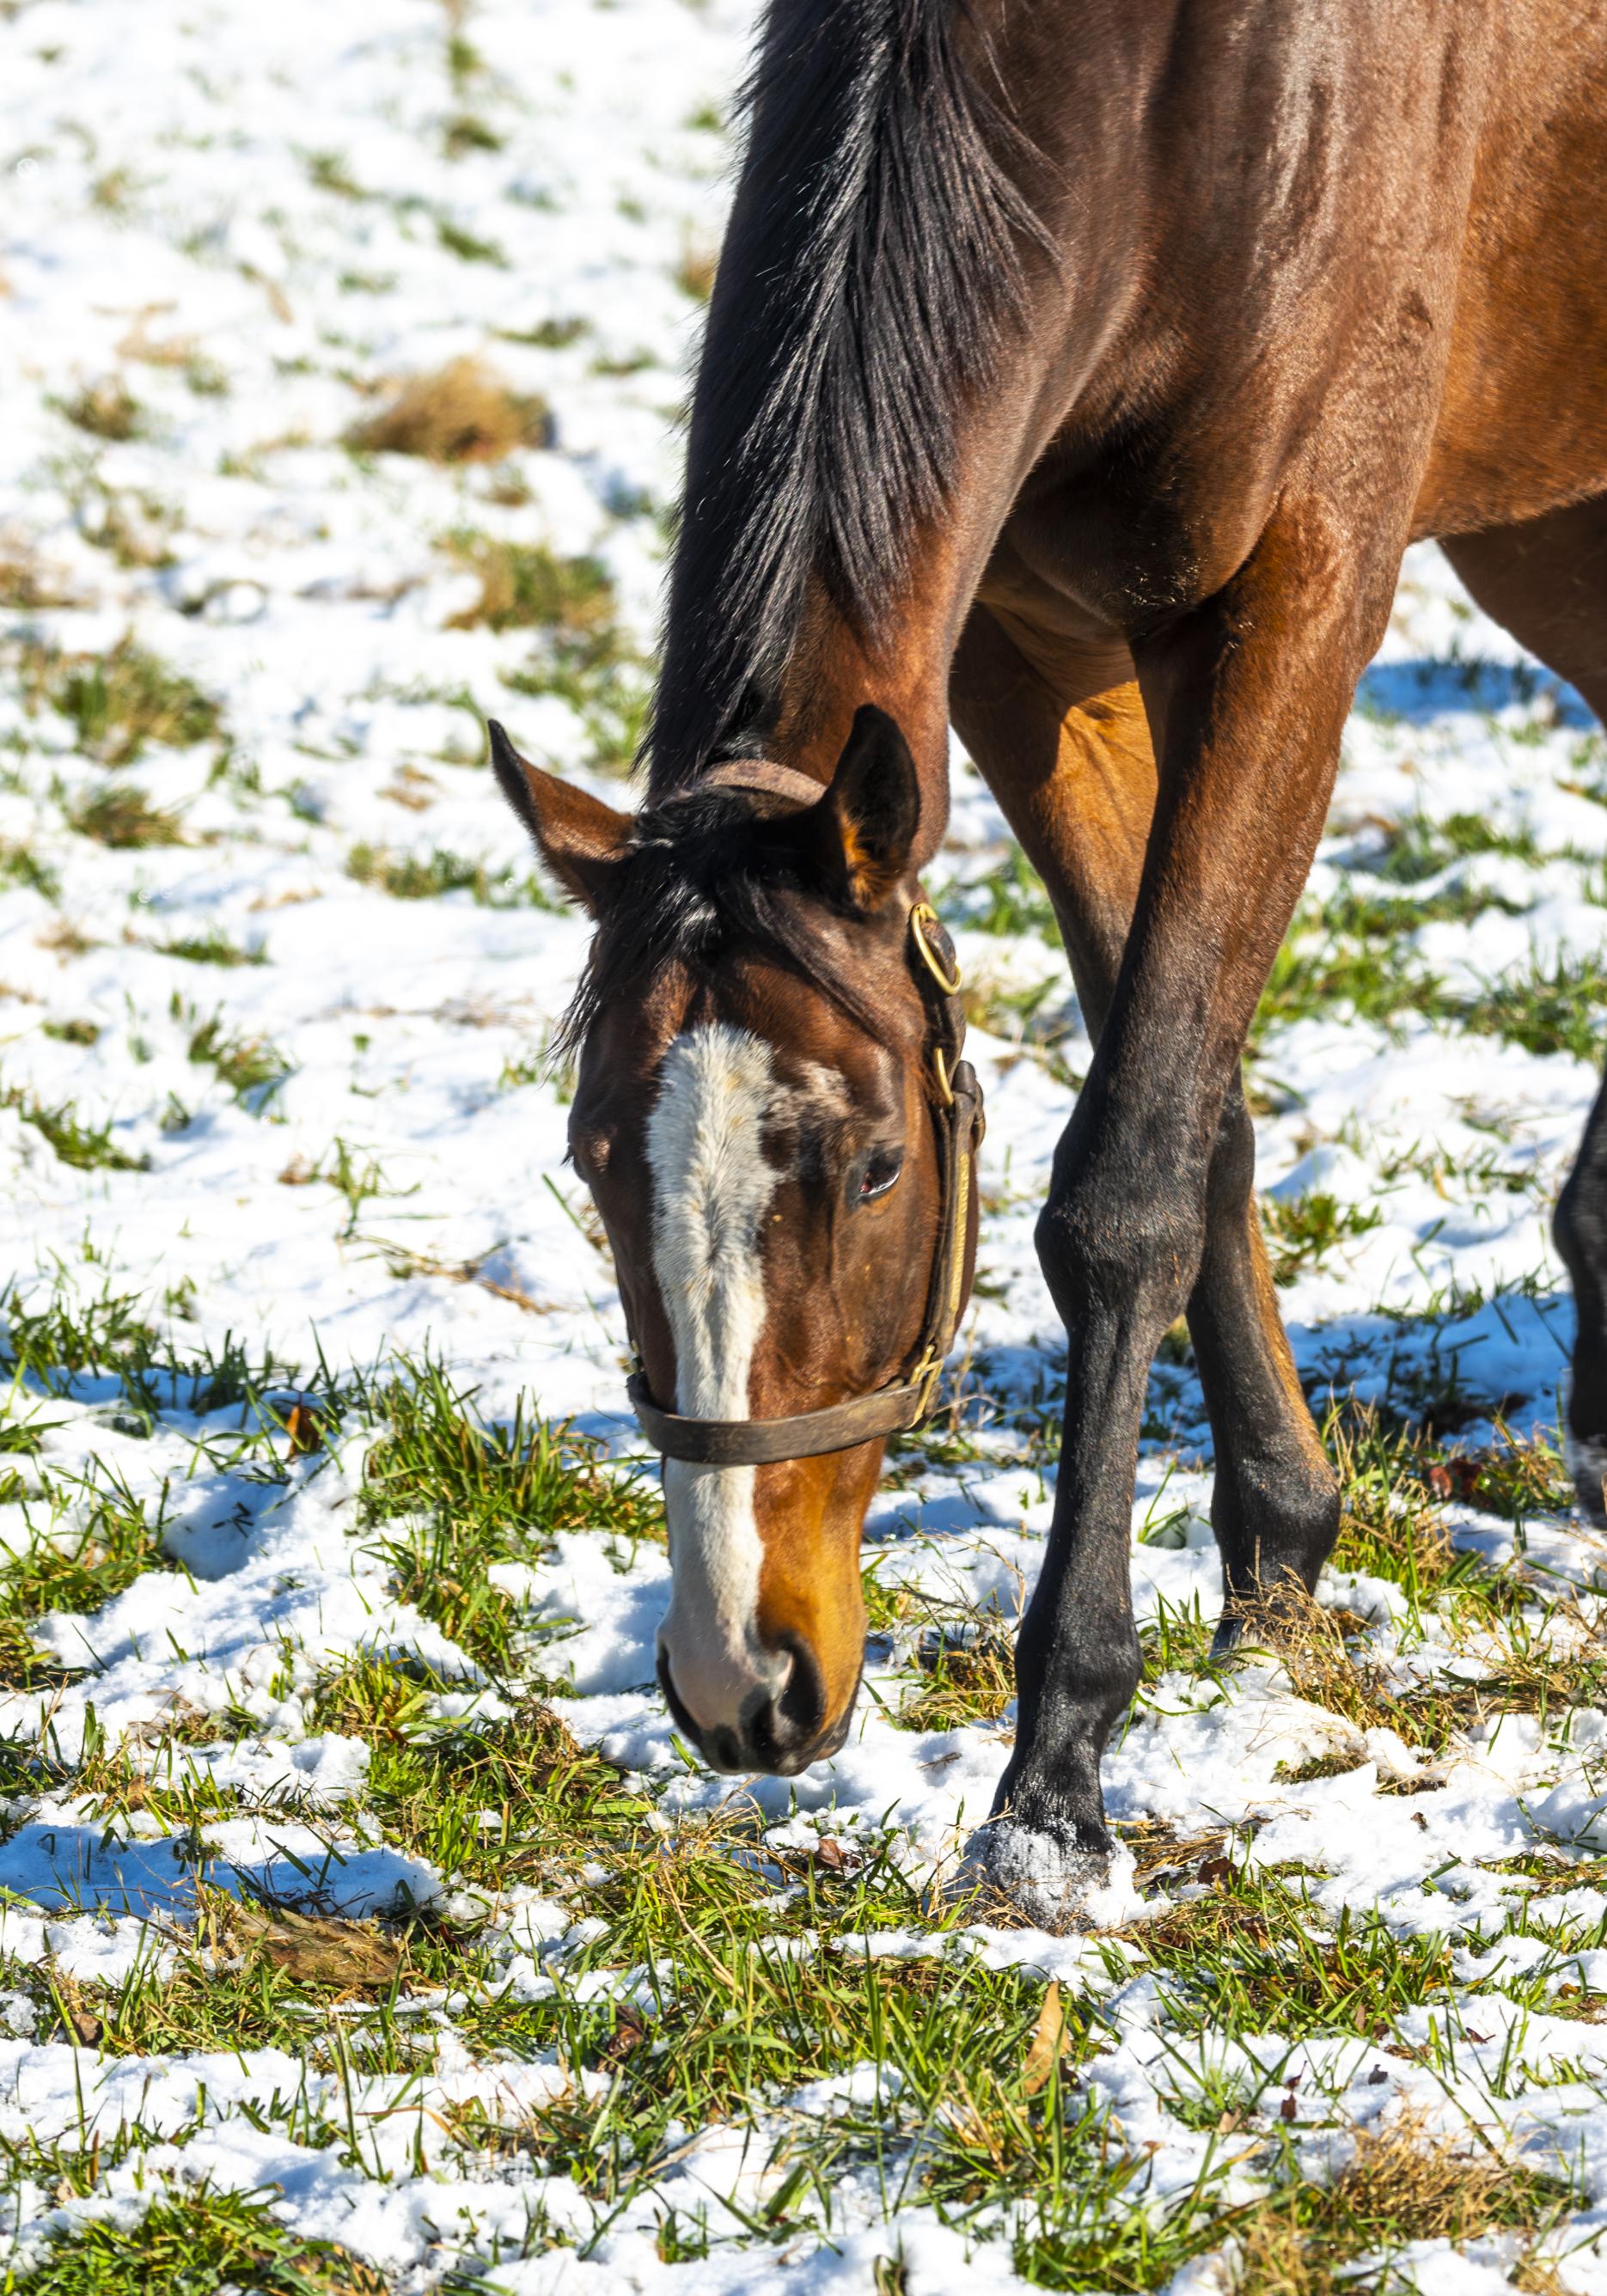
(1275, 1518)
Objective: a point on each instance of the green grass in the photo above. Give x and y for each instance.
(1556, 1008)
(1302, 1230)
(212, 947)
(331, 171)
(20, 866)
(194, 2246)
(1321, 971)
(86, 1147)
(1353, 959)
(466, 246)
(604, 680)
(449, 1495)
(1009, 899)
(251, 1066)
(524, 585)
(1420, 849)
(121, 703)
(75, 1567)
(466, 131)
(1255, 1957)
(428, 877)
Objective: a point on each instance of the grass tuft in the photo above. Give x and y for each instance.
(195, 2246)
(462, 413)
(1405, 2184)
(106, 409)
(428, 877)
(118, 703)
(122, 816)
(86, 1147)
(452, 1495)
(1302, 1230)
(251, 1066)
(525, 585)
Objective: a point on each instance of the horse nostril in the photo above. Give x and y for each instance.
(724, 1750)
(801, 1707)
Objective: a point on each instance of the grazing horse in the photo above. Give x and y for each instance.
(1078, 373)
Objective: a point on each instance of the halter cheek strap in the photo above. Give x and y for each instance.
(958, 1118)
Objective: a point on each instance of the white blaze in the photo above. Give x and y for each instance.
(712, 1186)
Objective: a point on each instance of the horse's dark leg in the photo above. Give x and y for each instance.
(1546, 580)
(1248, 696)
(1065, 744)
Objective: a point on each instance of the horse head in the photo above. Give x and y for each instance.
(771, 1117)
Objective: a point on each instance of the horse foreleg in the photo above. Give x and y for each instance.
(1062, 735)
(1150, 1195)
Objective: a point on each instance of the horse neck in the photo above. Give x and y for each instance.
(860, 421)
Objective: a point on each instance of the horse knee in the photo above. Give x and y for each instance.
(1132, 1248)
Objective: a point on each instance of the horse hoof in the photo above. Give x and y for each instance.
(1058, 1885)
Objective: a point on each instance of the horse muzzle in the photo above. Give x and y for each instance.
(777, 1729)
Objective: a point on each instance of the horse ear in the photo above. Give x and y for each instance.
(580, 839)
(872, 810)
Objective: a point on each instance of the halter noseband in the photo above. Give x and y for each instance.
(958, 1118)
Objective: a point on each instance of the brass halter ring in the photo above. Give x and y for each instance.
(920, 917)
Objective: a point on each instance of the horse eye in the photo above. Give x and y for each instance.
(878, 1175)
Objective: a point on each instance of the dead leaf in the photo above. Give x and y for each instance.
(1214, 1870)
(1050, 2042)
(630, 2031)
(830, 1855)
(302, 1428)
(1287, 2109)
(318, 1950)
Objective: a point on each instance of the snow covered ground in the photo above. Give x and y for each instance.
(361, 1912)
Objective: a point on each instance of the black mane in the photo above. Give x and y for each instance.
(701, 876)
(870, 272)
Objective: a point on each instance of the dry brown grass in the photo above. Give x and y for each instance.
(969, 1682)
(29, 586)
(1404, 2185)
(1525, 1675)
(107, 409)
(462, 413)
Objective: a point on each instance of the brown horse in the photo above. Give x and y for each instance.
(1079, 371)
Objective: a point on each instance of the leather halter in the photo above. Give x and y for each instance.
(957, 1115)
